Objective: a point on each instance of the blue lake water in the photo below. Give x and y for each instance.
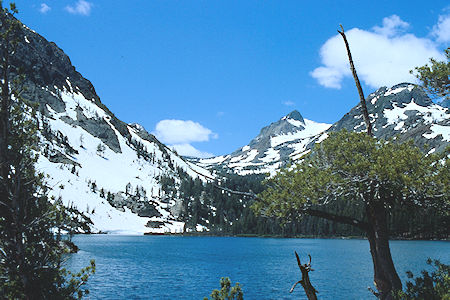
(169, 267)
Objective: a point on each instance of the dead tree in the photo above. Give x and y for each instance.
(305, 282)
(358, 84)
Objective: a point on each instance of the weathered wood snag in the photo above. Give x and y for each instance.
(358, 84)
(305, 282)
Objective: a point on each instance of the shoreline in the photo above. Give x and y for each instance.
(200, 234)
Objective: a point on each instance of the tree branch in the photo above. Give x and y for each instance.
(249, 194)
(336, 218)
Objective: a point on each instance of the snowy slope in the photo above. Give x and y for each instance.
(107, 168)
(403, 112)
(276, 144)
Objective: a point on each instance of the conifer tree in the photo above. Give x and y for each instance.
(31, 245)
(373, 174)
(435, 78)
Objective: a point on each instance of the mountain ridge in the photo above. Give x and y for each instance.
(103, 166)
(402, 112)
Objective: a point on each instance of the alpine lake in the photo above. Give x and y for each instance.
(180, 267)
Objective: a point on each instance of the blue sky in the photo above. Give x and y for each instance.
(206, 76)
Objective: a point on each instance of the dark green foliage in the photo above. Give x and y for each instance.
(232, 214)
(32, 249)
(357, 168)
(210, 205)
(434, 286)
(227, 292)
(436, 78)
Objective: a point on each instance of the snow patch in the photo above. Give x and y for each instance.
(311, 129)
(438, 130)
(433, 113)
(398, 90)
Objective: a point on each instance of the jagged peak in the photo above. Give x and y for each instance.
(294, 115)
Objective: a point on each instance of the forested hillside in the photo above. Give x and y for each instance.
(221, 211)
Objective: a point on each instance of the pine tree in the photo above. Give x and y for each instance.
(436, 77)
(227, 292)
(373, 174)
(31, 245)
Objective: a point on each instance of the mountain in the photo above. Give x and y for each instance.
(274, 146)
(93, 160)
(401, 112)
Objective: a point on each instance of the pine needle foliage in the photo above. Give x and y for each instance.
(360, 169)
(429, 286)
(435, 77)
(227, 292)
(32, 247)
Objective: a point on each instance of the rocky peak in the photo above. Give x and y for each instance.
(288, 124)
(294, 115)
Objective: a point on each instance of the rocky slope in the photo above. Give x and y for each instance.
(401, 112)
(93, 160)
(275, 145)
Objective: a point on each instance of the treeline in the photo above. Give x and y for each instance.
(212, 205)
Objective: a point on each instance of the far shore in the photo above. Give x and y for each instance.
(209, 234)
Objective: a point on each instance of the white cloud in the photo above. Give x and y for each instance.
(441, 31)
(182, 132)
(289, 103)
(392, 26)
(179, 134)
(189, 150)
(383, 56)
(82, 7)
(44, 8)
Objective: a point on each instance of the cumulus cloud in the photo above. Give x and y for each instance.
(383, 56)
(179, 134)
(189, 150)
(441, 31)
(44, 8)
(392, 26)
(82, 7)
(182, 132)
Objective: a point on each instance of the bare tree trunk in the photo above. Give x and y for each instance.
(358, 84)
(305, 282)
(386, 279)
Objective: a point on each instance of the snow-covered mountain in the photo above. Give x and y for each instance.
(92, 159)
(402, 112)
(275, 145)
(114, 170)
